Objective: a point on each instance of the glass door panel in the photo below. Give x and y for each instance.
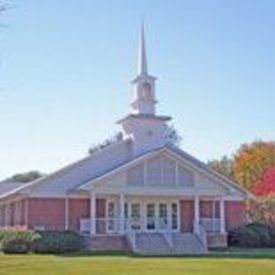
(163, 217)
(135, 216)
(174, 216)
(151, 216)
(111, 217)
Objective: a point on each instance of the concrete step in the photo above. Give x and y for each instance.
(107, 243)
(187, 244)
(157, 244)
(151, 244)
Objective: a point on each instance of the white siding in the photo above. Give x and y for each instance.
(168, 171)
(185, 177)
(135, 175)
(154, 171)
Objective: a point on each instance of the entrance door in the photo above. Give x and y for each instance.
(151, 217)
(111, 217)
(163, 217)
(135, 216)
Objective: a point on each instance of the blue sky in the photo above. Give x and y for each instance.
(66, 68)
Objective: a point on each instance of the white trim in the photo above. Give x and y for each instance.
(66, 213)
(210, 172)
(121, 212)
(222, 216)
(92, 213)
(178, 158)
(196, 213)
(26, 208)
(122, 167)
(177, 173)
(145, 172)
(162, 191)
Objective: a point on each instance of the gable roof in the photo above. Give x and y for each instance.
(195, 163)
(78, 174)
(73, 175)
(9, 185)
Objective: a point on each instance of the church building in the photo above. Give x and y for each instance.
(140, 192)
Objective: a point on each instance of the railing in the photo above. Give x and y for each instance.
(201, 233)
(210, 224)
(167, 234)
(101, 225)
(131, 233)
(116, 225)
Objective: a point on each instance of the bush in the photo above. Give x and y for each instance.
(40, 242)
(252, 235)
(17, 241)
(7, 235)
(272, 235)
(16, 246)
(57, 242)
(263, 232)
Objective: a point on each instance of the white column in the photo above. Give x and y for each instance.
(92, 213)
(66, 213)
(196, 214)
(145, 172)
(26, 209)
(121, 212)
(222, 216)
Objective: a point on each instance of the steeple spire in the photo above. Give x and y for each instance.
(142, 58)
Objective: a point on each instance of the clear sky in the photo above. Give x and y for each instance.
(66, 67)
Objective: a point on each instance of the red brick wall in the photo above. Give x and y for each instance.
(2, 215)
(186, 215)
(78, 208)
(206, 209)
(235, 214)
(46, 212)
(15, 215)
(100, 213)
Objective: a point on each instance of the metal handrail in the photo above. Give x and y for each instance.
(201, 233)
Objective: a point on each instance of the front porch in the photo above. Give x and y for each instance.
(134, 215)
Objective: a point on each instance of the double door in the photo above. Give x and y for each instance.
(152, 216)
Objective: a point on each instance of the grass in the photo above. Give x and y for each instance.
(233, 261)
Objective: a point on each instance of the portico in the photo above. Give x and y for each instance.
(121, 213)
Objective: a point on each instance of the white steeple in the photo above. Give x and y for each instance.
(143, 99)
(142, 58)
(143, 126)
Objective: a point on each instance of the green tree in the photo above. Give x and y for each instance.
(27, 177)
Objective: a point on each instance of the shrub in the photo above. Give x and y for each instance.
(252, 235)
(272, 235)
(263, 232)
(16, 246)
(243, 237)
(57, 242)
(7, 235)
(40, 242)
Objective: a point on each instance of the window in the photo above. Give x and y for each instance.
(135, 216)
(174, 209)
(163, 216)
(111, 216)
(151, 221)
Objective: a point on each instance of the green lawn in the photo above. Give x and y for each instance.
(237, 262)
